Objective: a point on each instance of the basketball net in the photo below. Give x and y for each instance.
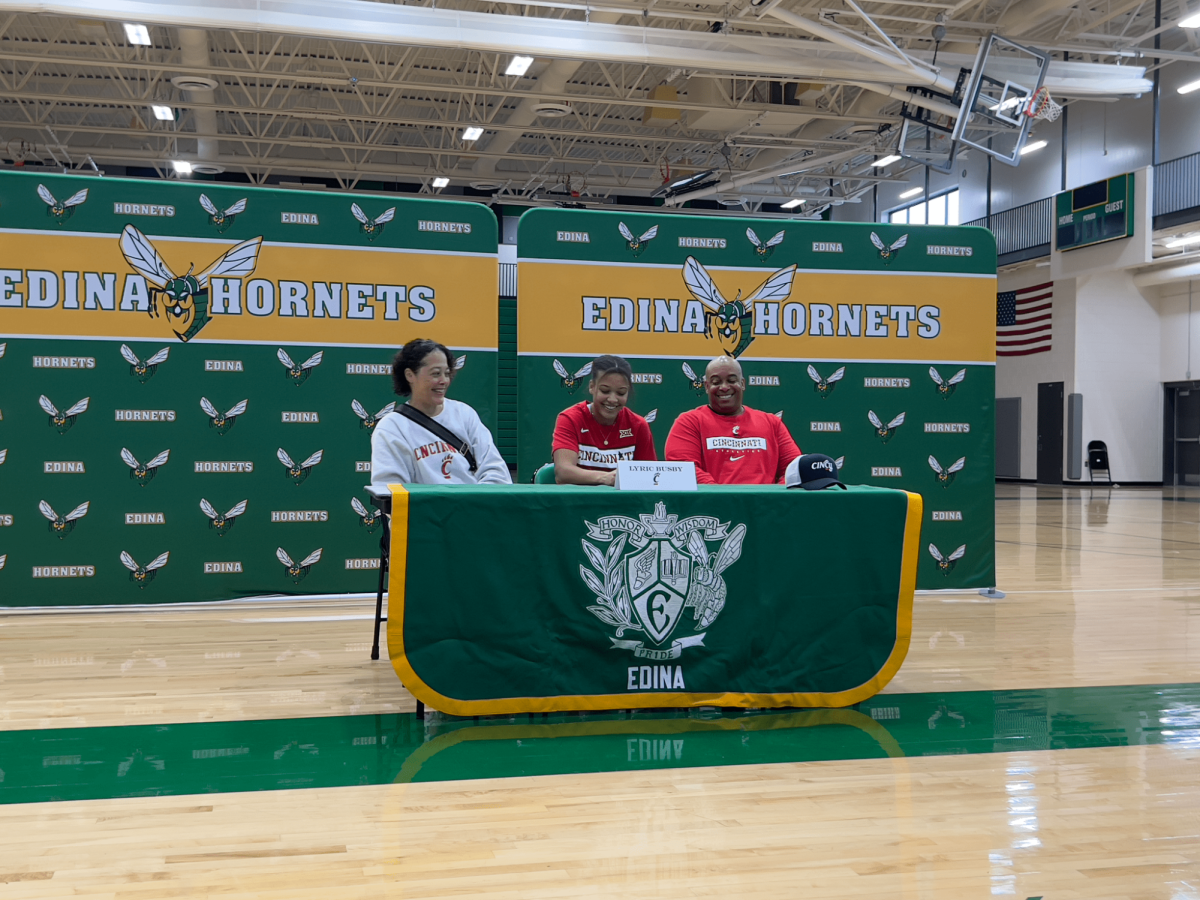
(1042, 106)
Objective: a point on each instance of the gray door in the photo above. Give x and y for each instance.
(1050, 433)
(1187, 436)
(1008, 437)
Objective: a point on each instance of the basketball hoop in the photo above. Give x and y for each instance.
(1042, 106)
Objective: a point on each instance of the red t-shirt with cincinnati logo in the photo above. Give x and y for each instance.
(627, 438)
(752, 448)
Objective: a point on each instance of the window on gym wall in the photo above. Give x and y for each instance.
(941, 209)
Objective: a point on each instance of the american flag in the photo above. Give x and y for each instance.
(1023, 320)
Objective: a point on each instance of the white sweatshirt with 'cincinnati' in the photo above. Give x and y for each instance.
(403, 452)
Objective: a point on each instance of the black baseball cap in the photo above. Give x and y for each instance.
(813, 472)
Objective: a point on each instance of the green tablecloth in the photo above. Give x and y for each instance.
(534, 598)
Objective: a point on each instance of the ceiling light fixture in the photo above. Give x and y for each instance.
(137, 34)
(886, 161)
(1031, 148)
(791, 204)
(1189, 87)
(473, 133)
(912, 193)
(182, 166)
(519, 65)
(440, 182)
(1183, 241)
(1192, 21)
(163, 113)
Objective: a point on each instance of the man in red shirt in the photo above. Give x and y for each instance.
(730, 443)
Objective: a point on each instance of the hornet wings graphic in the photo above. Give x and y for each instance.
(144, 474)
(222, 522)
(696, 380)
(459, 362)
(3, 456)
(946, 563)
(946, 388)
(62, 420)
(222, 421)
(885, 432)
(707, 595)
(637, 244)
(372, 228)
(3, 559)
(3, 347)
(651, 416)
(732, 323)
(298, 472)
(222, 218)
(61, 211)
(143, 575)
(184, 297)
(63, 525)
(299, 373)
(945, 476)
(824, 386)
(764, 250)
(144, 370)
(297, 571)
(369, 421)
(839, 462)
(888, 252)
(569, 381)
(370, 519)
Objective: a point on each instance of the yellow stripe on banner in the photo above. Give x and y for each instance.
(509, 705)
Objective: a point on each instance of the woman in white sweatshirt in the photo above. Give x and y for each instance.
(405, 451)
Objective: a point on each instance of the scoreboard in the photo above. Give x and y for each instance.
(1094, 213)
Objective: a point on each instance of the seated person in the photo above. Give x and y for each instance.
(730, 443)
(590, 438)
(405, 451)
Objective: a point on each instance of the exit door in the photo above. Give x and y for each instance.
(1050, 433)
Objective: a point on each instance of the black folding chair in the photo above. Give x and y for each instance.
(1098, 459)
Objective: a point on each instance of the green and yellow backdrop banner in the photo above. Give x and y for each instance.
(190, 375)
(876, 344)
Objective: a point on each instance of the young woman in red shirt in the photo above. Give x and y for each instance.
(591, 438)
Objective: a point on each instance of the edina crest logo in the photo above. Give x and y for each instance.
(653, 569)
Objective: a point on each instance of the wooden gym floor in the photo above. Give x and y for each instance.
(1046, 744)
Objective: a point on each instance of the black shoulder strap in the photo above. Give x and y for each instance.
(433, 426)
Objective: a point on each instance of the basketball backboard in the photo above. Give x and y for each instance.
(1004, 78)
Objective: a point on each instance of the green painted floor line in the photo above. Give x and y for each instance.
(281, 754)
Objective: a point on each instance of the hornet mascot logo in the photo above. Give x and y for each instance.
(366, 518)
(299, 373)
(885, 432)
(764, 250)
(184, 297)
(824, 386)
(222, 218)
(697, 382)
(222, 421)
(888, 252)
(637, 244)
(297, 571)
(372, 228)
(668, 569)
(732, 323)
(222, 522)
(298, 472)
(144, 474)
(946, 388)
(946, 563)
(61, 211)
(369, 421)
(63, 525)
(143, 575)
(62, 420)
(946, 476)
(569, 381)
(144, 371)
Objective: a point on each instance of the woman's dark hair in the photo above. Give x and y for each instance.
(410, 356)
(602, 365)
